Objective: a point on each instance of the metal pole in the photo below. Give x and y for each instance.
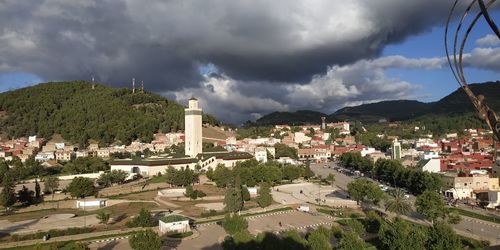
(84, 218)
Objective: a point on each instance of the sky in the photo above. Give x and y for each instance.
(244, 59)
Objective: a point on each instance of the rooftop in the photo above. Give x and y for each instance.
(173, 218)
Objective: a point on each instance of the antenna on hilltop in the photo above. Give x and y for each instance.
(93, 84)
(142, 86)
(133, 85)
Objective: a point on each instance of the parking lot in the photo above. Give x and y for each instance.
(212, 235)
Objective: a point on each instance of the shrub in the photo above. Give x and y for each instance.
(373, 222)
(53, 233)
(144, 219)
(234, 223)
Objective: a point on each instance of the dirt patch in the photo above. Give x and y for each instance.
(209, 190)
(39, 214)
(128, 209)
(144, 196)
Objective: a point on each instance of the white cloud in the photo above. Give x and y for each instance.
(362, 82)
(483, 58)
(488, 40)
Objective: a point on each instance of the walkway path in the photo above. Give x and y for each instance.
(71, 237)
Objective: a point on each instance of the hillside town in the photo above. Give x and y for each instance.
(464, 164)
(249, 125)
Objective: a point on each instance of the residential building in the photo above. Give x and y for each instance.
(462, 185)
(103, 153)
(63, 155)
(45, 156)
(260, 154)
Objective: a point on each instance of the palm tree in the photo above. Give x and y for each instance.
(397, 203)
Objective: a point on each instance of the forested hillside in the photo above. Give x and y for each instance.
(455, 104)
(79, 113)
(296, 118)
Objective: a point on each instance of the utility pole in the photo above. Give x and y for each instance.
(133, 85)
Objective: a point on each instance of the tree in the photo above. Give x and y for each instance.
(351, 241)
(400, 234)
(356, 226)
(189, 191)
(144, 219)
(318, 241)
(234, 223)
(37, 190)
(245, 194)
(397, 203)
(283, 150)
(291, 172)
(113, 177)
(454, 217)
(373, 221)
(145, 240)
(363, 190)
(81, 187)
(103, 217)
(210, 173)
(293, 240)
(330, 178)
(442, 236)
(308, 173)
(51, 184)
(7, 196)
(222, 176)
(264, 199)
(25, 196)
(232, 200)
(431, 205)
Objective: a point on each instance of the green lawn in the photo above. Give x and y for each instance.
(157, 179)
(477, 215)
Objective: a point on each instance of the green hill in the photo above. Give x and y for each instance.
(79, 113)
(392, 110)
(456, 103)
(296, 118)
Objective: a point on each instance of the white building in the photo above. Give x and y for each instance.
(261, 154)
(45, 156)
(367, 151)
(432, 165)
(430, 155)
(91, 203)
(300, 137)
(193, 119)
(493, 198)
(174, 224)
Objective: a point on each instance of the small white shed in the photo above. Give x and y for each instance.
(91, 203)
(174, 224)
(252, 191)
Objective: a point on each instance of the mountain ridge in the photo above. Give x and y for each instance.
(456, 103)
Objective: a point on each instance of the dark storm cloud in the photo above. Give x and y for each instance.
(164, 42)
(269, 55)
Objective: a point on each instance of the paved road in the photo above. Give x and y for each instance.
(481, 229)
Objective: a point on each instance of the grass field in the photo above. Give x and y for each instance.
(477, 215)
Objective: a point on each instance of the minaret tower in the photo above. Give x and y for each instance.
(192, 123)
(133, 85)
